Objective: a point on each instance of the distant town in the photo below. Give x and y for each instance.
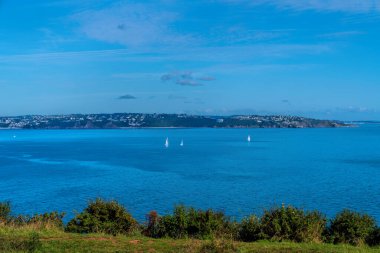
(142, 120)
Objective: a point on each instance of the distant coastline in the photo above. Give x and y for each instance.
(143, 120)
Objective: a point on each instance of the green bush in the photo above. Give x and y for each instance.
(53, 218)
(250, 229)
(188, 222)
(5, 211)
(102, 217)
(289, 223)
(152, 226)
(374, 237)
(351, 227)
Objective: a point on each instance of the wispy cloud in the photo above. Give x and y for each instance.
(238, 34)
(336, 35)
(133, 25)
(127, 96)
(186, 78)
(352, 6)
(199, 54)
(244, 69)
(53, 39)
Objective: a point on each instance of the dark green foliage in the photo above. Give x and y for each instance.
(278, 224)
(5, 211)
(289, 223)
(53, 218)
(32, 244)
(102, 217)
(250, 229)
(351, 227)
(188, 222)
(152, 228)
(374, 237)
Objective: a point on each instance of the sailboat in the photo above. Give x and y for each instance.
(167, 143)
(249, 138)
(181, 144)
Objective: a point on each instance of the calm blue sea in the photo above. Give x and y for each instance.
(324, 169)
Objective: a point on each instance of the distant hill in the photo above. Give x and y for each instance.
(141, 120)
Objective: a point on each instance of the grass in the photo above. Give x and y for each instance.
(31, 238)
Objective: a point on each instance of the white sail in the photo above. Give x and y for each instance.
(181, 144)
(249, 138)
(167, 143)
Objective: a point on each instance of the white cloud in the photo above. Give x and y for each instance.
(130, 25)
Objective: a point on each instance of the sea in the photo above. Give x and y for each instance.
(325, 169)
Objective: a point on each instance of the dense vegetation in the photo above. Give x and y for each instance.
(126, 120)
(215, 231)
(102, 217)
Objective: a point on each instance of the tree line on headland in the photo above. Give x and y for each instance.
(285, 223)
(141, 120)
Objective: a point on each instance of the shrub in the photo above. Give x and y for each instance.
(168, 227)
(46, 219)
(374, 237)
(5, 211)
(188, 222)
(152, 229)
(102, 217)
(53, 219)
(351, 227)
(250, 229)
(205, 224)
(313, 227)
(289, 223)
(42, 220)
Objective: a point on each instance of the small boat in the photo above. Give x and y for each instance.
(249, 138)
(167, 143)
(181, 144)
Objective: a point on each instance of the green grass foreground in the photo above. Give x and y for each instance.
(30, 238)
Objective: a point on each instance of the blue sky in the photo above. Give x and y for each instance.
(316, 58)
